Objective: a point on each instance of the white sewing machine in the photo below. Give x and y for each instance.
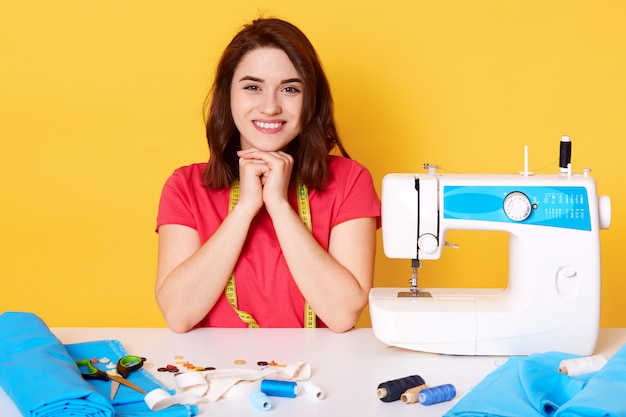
(552, 302)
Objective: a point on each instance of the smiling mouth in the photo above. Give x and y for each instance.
(268, 125)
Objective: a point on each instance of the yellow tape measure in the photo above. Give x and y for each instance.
(304, 210)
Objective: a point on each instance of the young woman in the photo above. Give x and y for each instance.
(273, 231)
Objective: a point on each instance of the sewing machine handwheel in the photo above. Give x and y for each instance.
(427, 243)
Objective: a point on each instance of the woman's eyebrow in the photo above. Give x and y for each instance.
(291, 80)
(250, 78)
(259, 80)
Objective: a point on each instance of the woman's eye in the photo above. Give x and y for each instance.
(291, 89)
(252, 87)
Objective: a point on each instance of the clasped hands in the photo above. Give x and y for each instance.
(264, 178)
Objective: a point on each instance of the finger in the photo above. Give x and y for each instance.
(268, 157)
(253, 167)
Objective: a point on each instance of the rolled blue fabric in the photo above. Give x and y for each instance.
(39, 375)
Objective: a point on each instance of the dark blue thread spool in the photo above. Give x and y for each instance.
(437, 394)
(277, 388)
(392, 390)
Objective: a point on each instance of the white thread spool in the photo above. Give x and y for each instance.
(312, 389)
(581, 366)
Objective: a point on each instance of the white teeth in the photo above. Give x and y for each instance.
(265, 125)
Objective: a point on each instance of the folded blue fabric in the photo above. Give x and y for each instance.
(40, 375)
(127, 401)
(603, 395)
(532, 387)
(546, 388)
(500, 394)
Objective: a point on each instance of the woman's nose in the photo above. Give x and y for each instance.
(270, 104)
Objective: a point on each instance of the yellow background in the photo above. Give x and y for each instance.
(100, 100)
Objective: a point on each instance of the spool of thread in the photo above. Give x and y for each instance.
(392, 390)
(565, 154)
(276, 388)
(261, 401)
(437, 394)
(410, 396)
(311, 389)
(581, 366)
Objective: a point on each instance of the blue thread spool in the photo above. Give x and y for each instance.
(277, 388)
(261, 401)
(437, 394)
(393, 390)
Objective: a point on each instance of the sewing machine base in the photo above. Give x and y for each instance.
(477, 322)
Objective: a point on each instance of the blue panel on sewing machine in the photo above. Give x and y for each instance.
(565, 207)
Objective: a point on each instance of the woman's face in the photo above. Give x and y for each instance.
(266, 100)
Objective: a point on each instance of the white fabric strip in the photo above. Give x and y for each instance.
(159, 399)
(194, 387)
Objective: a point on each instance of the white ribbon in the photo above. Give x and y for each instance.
(194, 387)
(159, 399)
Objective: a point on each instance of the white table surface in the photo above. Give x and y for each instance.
(347, 366)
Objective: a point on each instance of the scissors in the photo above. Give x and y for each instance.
(125, 366)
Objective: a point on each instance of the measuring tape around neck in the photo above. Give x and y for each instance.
(304, 210)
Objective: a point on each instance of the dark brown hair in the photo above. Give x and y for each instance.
(310, 149)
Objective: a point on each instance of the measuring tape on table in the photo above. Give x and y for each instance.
(304, 210)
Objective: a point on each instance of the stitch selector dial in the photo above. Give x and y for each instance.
(517, 206)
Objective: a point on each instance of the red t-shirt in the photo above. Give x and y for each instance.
(265, 287)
